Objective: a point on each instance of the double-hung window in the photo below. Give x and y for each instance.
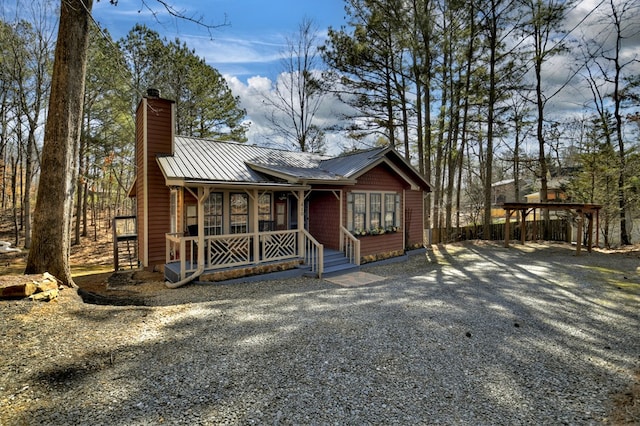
(173, 208)
(375, 209)
(265, 220)
(391, 208)
(213, 214)
(357, 211)
(239, 215)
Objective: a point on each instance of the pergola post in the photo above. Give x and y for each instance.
(580, 209)
(590, 232)
(579, 236)
(523, 226)
(506, 227)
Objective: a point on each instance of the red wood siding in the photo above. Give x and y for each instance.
(159, 141)
(380, 178)
(413, 218)
(381, 245)
(324, 218)
(140, 221)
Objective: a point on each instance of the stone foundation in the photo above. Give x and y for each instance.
(380, 256)
(247, 271)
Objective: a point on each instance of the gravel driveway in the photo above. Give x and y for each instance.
(466, 334)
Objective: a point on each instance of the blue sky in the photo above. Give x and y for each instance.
(249, 46)
(246, 52)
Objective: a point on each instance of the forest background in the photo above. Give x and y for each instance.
(465, 90)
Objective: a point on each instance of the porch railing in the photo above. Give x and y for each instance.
(278, 245)
(313, 253)
(350, 246)
(232, 250)
(182, 249)
(228, 250)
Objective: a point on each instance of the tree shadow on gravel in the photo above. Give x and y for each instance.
(472, 335)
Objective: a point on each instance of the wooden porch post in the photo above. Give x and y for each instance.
(255, 224)
(300, 197)
(341, 221)
(203, 194)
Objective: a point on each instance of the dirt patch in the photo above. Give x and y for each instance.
(120, 288)
(626, 404)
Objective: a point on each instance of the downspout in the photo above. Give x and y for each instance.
(191, 277)
(201, 262)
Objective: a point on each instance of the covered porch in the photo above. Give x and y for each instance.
(221, 227)
(246, 230)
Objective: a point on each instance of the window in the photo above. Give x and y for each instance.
(239, 216)
(213, 214)
(359, 211)
(375, 208)
(264, 213)
(368, 212)
(192, 215)
(391, 208)
(173, 208)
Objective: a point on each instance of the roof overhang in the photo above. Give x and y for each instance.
(199, 183)
(133, 189)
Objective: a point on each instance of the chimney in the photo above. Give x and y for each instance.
(153, 93)
(154, 136)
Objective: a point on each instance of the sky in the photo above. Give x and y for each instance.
(245, 50)
(247, 46)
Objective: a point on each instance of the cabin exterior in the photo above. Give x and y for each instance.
(219, 210)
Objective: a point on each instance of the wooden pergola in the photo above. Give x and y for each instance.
(579, 209)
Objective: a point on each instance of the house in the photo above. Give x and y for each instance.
(556, 191)
(217, 210)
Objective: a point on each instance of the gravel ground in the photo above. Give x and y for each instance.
(466, 334)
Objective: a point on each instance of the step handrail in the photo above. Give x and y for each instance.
(313, 253)
(350, 246)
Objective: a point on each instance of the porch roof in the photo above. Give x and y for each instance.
(206, 162)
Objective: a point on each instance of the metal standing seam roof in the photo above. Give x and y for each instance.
(196, 159)
(208, 160)
(350, 164)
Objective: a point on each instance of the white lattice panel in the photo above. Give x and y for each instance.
(278, 246)
(229, 251)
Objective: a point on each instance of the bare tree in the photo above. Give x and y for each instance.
(624, 20)
(298, 92)
(542, 25)
(33, 87)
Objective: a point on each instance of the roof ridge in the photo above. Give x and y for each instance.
(362, 151)
(254, 145)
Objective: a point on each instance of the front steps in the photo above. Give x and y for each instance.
(335, 263)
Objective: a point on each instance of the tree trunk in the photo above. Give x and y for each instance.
(51, 219)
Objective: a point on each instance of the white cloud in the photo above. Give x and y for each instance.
(254, 98)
